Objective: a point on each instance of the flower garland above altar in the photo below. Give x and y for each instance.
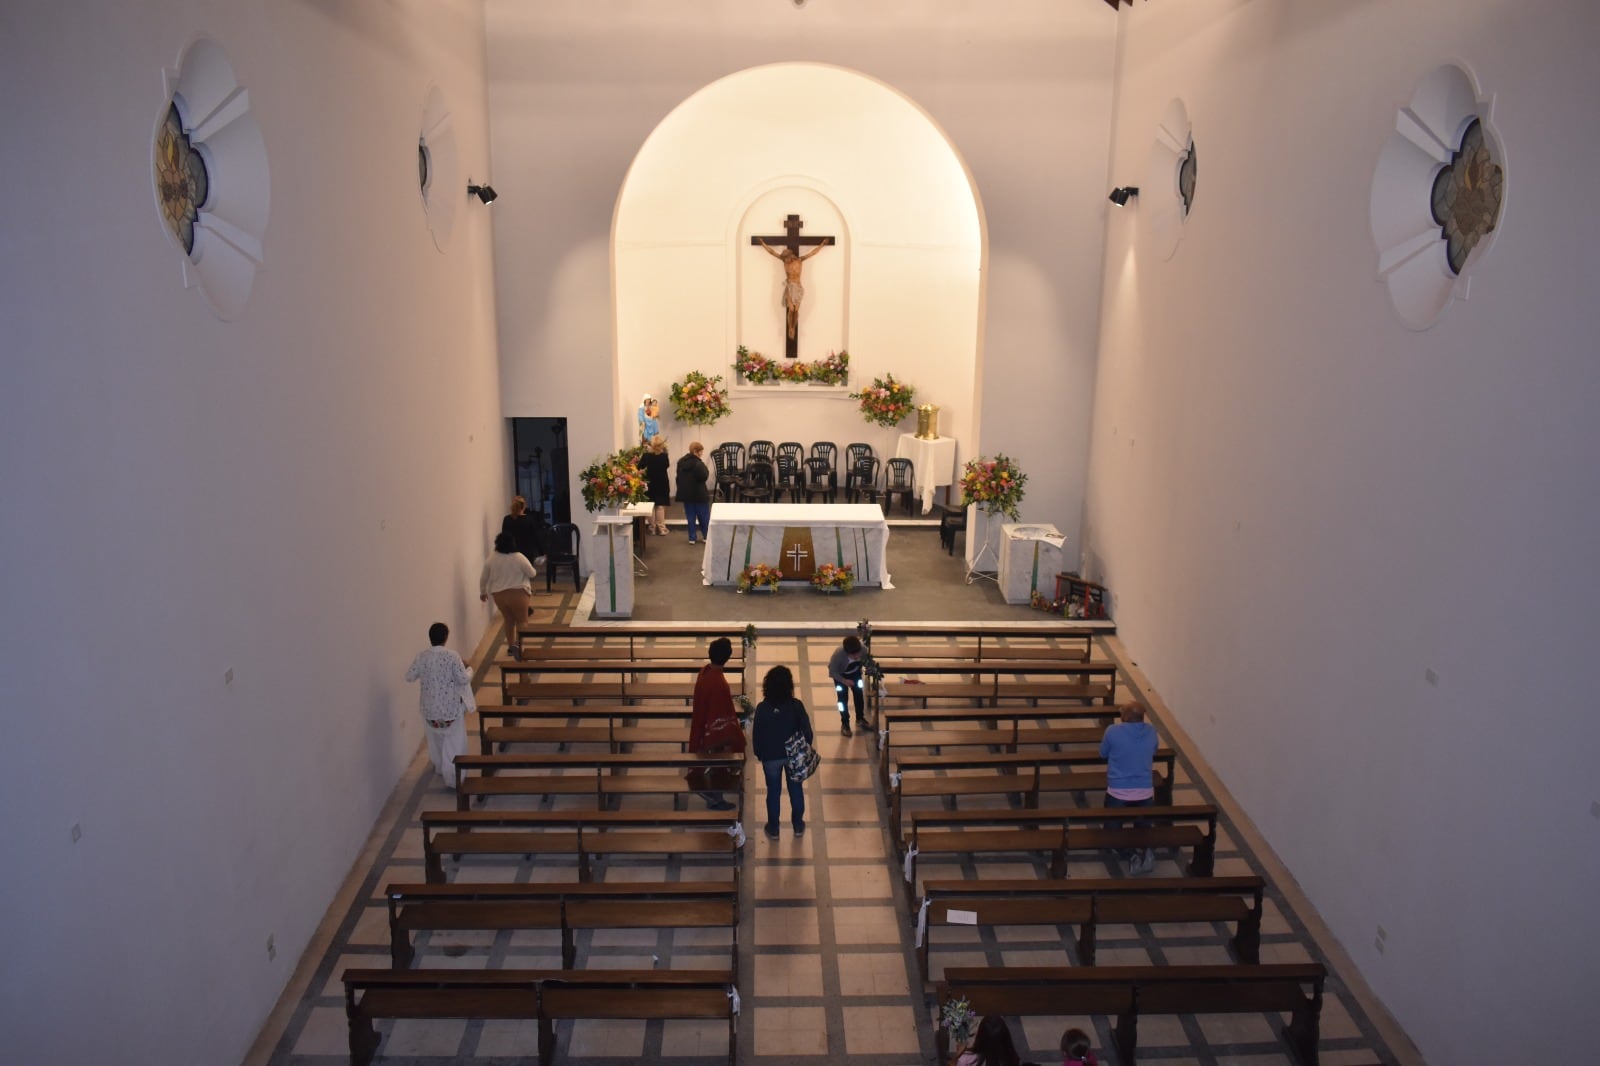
(699, 400)
(994, 485)
(613, 481)
(754, 368)
(886, 401)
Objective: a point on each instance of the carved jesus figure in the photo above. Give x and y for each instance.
(793, 292)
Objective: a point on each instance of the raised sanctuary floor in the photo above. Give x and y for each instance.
(828, 970)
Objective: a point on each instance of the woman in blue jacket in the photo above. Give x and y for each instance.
(778, 717)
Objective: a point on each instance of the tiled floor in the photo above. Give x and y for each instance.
(828, 972)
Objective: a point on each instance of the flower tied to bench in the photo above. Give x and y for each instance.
(922, 920)
(911, 865)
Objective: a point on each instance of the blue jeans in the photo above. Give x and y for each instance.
(697, 513)
(776, 770)
(1138, 823)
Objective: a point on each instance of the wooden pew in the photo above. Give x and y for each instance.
(1090, 902)
(615, 689)
(607, 994)
(521, 994)
(607, 724)
(1057, 832)
(993, 683)
(599, 774)
(555, 906)
(1027, 774)
(634, 642)
(1127, 992)
(1007, 641)
(989, 727)
(583, 834)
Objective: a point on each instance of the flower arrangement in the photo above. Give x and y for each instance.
(886, 401)
(613, 481)
(829, 576)
(757, 369)
(956, 1017)
(699, 400)
(758, 575)
(994, 485)
(750, 635)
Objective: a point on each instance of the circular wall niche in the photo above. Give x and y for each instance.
(438, 168)
(1438, 195)
(1169, 185)
(211, 183)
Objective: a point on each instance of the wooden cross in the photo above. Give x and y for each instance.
(795, 554)
(791, 242)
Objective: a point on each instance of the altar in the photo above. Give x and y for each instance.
(796, 538)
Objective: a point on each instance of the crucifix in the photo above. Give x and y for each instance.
(791, 243)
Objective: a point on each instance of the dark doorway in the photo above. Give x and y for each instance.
(539, 462)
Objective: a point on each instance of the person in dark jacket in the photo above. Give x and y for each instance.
(526, 529)
(778, 717)
(694, 491)
(654, 464)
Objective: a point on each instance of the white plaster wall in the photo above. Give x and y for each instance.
(1303, 506)
(293, 496)
(577, 86)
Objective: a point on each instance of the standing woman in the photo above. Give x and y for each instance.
(654, 464)
(526, 529)
(694, 491)
(780, 716)
(508, 577)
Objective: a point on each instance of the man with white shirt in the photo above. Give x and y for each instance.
(446, 697)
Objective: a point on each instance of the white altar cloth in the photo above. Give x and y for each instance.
(744, 533)
(935, 463)
(1030, 559)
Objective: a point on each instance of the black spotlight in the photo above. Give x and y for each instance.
(1121, 196)
(485, 193)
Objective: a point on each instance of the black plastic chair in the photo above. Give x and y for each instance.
(789, 477)
(899, 479)
(561, 549)
(862, 480)
(728, 460)
(818, 475)
(951, 523)
(794, 450)
(758, 484)
(761, 451)
(828, 451)
(854, 453)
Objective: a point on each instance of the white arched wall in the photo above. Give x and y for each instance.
(901, 288)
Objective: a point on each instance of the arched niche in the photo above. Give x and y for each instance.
(899, 287)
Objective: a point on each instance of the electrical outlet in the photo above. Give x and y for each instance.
(1431, 676)
(272, 949)
(77, 832)
(227, 678)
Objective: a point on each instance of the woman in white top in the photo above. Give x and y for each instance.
(508, 577)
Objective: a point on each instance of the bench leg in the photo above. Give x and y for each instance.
(1303, 1030)
(401, 951)
(1126, 1037)
(363, 1037)
(432, 866)
(1205, 855)
(1247, 939)
(1086, 944)
(547, 1040)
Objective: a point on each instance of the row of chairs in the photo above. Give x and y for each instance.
(765, 472)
